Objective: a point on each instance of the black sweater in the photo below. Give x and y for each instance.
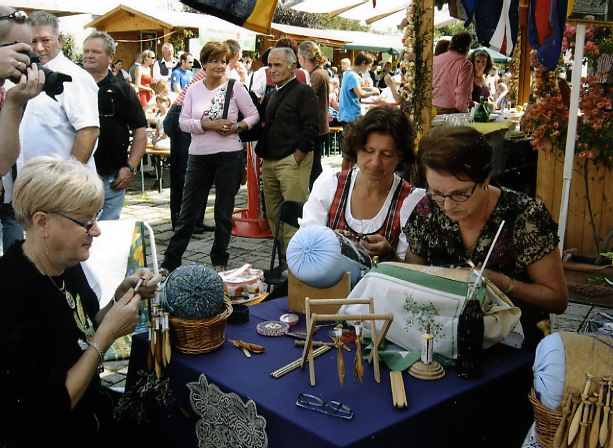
(296, 121)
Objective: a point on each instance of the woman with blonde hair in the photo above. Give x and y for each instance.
(313, 60)
(143, 77)
(54, 335)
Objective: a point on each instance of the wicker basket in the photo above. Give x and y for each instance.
(547, 421)
(194, 336)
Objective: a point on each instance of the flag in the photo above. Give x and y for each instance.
(546, 22)
(496, 22)
(255, 15)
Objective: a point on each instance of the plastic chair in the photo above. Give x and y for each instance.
(289, 212)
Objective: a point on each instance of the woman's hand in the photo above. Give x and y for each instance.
(221, 126)
(31, 83)
(376, 245)
(147, 287)
(120, 320)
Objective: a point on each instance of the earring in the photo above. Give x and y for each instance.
(487, 187)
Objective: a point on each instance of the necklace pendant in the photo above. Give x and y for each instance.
(70, 299)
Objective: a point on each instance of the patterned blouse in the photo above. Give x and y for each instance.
(528, 235)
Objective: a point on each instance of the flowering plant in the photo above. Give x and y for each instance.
(547, 116)
(415, 88)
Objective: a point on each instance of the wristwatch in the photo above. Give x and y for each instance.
(239, 129)
(131, 168)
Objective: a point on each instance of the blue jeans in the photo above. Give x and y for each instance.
(224, 170)
(11, 230)
(113, 199)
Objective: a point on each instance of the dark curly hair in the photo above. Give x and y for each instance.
(460, 151)
(387, 120)
(489, 64)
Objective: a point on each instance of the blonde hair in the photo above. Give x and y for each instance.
(53, 184)
(147, 54)
(311, 52)
(162, 97)
(160, 86)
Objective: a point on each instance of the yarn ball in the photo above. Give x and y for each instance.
(193, 291)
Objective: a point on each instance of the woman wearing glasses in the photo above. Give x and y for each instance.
(457, 221)
(53, 335)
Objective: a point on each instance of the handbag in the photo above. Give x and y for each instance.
(254, 132)
(419, 296)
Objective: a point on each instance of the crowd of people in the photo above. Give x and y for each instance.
(67, 161)
(460, 78)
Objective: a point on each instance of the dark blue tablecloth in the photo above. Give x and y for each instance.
(491, 411)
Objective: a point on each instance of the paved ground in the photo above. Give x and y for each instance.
(153, 208)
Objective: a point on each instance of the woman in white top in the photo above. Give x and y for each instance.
(370, 202)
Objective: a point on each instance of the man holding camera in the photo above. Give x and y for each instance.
(15, 39)
(69, 124)
(120, 112)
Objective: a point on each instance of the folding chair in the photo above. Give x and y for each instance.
(120, 250)
(289, 212)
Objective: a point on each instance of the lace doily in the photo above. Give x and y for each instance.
(225, 421)
(530, 440)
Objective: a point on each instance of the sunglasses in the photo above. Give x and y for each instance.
(17, 16)
(86, 225)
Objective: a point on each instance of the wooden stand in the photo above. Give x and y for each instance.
(312, 319)
(432, 371)
(298, 291)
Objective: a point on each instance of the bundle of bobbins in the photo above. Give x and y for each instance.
(272, 328)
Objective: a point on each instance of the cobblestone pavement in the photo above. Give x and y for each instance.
(154, 208)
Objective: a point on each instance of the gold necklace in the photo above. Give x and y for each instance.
(69, 299)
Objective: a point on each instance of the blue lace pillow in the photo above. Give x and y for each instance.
(193, 291)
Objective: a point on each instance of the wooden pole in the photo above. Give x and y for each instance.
(523, 91)
(426, 30)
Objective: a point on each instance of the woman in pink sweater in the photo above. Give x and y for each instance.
(215, 154)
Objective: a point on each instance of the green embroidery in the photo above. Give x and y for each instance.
(83, 321)
(423, 315)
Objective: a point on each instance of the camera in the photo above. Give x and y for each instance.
(54, 81)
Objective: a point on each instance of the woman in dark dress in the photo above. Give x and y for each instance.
(53, 334)
(458, 218)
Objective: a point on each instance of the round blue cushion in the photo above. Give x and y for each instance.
(549, 370)
(314, 257)
(193, 291)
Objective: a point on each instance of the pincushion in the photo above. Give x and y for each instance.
(193, 291)
(319, 257)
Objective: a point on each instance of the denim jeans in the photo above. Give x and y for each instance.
(113, 199)
(224, 170)
(11, 230)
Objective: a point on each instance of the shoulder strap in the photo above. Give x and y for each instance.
(226, 103)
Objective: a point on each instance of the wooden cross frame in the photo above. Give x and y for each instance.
(312, 320)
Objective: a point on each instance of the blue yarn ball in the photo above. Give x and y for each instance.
(194, 291)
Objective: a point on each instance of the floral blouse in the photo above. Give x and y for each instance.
(529, 233)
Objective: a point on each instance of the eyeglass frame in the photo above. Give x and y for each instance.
(86, 225)
(331, 408)
(18, 16)
(450, 196)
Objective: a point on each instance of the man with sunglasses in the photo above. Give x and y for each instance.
(120, 112)
(68, 125)
(15, 39)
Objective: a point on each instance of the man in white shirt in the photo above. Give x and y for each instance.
(162, 68)
(68, 125)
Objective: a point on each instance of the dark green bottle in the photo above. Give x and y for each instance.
(482, 114)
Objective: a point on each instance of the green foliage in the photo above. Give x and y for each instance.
(450, 30)
(178, 40)
(70, 51)
(316, 21)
